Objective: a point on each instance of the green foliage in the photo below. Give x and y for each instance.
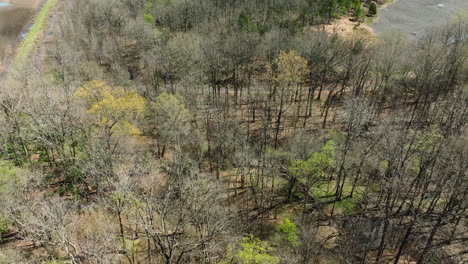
(345, 4)
(247, 24)
(422, 145)
(358, 9)
(172, 119)
(372, 9)
(342, 3)
(255, 251)
(425, 141)
(9, 180)
(114, 108)
(149, 18)
(287, 233)
(333, 7)
(461, 15)
(292, 16)
(309, 171)
(4, 226)
(134, 246)
(348, 206)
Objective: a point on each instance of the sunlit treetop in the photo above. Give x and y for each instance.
(290, 68)
(113, 107)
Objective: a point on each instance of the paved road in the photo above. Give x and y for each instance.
(415, 16)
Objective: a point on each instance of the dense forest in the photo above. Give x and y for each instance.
(213, 131)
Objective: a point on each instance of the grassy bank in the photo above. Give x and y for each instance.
(35, 32)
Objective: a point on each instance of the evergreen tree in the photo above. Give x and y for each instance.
(372, 9)
(358, 9)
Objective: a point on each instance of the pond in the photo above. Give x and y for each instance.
(415, 16)
(15, 15)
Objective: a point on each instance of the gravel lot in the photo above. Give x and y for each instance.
(415, 16)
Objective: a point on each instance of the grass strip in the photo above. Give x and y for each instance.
(35, 32)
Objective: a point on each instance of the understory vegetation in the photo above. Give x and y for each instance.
(212, 131)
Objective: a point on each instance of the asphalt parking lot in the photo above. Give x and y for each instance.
(415, 16)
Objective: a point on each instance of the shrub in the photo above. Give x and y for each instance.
(287, 233)
(149, 18)
(372, 9)
(255, 251)
(4, 226)
(8, 181)
(348, 206)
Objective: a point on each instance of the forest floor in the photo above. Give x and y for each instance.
(345, 27)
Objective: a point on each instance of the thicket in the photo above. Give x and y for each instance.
(177, 131)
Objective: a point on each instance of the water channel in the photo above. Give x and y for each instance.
(15, 15)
